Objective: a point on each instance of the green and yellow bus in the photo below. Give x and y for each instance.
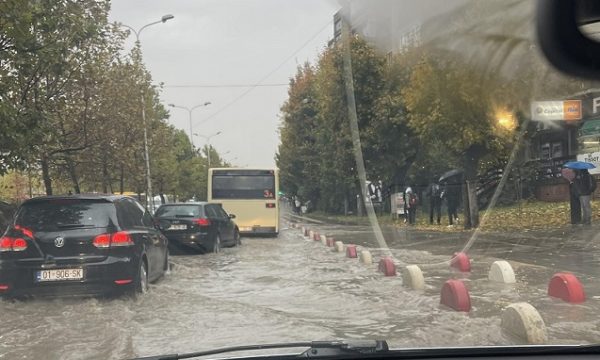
(252, 195)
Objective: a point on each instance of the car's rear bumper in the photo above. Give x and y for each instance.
(99, 278)
(258, 230)
(197, 239)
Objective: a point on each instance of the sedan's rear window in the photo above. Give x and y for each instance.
(179, 211)
(61, 214)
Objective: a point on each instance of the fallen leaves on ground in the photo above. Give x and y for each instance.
(526, 216)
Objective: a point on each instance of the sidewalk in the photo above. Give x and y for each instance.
(568, 248)
(575, 237)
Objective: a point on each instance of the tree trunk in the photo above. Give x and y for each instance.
(346, 205)
(122, 180)
(162, 198)
(73, 174)
(471, 207)
(361, 203)
(105, 176)
(46, 175)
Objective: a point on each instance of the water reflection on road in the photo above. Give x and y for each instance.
(288, 289)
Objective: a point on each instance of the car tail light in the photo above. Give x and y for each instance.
(19, 244)
(102, 241)
(4, 287)
(202, 222)
(121, 238)
(25, 231)
(6, 243)
(270, 205)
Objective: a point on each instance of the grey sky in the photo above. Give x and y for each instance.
(218, 42)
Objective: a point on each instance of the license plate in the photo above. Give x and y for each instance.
(59, 275)
(178, 227)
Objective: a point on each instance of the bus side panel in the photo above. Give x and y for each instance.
(253, 216)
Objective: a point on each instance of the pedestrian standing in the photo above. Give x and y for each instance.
(435, 202)
(451, 193)
(297, 205)
(574, 203)
(411, 204)
(585, 185)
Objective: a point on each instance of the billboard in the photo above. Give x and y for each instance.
(569, 110)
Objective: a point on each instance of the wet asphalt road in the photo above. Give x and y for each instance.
(293, 289)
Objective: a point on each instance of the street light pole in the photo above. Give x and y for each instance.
(143, 103)
(208, 144)
(190, 110)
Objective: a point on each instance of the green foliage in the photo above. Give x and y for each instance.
(71, 104)
(315, 156)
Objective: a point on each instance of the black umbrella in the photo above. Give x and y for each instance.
(449, 174)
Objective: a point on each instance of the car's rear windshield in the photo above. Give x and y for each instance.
(179, 211)
(62, 214)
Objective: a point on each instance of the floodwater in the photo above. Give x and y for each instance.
(294, 289)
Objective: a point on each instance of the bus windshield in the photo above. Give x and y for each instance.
(243, 186)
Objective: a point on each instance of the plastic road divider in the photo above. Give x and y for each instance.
(461, 262)
(387, 266)
(365, 257)
(324, 240)
(501, 272)
(456, 296)
(316, 237)
(339, 246)
(412, 277)
(330, 241)
(524, 323)
(351, 251)
(567, 287)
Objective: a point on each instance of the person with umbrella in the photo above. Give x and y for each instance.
(574, 204)
(584, 186)
(451, 181)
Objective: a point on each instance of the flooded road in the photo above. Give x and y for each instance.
(291, 289)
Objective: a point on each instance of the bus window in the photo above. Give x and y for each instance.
(243, 187)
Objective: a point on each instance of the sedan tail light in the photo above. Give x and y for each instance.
(27, 232)
(121, 238)
(202, 222)
(102, 241)
(8, 243)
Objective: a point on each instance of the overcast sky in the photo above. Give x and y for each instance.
(229, 42)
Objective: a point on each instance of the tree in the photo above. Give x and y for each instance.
(296, 157)
(449, 103)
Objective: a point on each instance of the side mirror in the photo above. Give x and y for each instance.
(561, 30)
(232, 216)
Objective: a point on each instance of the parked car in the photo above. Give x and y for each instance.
(81, 245)
(200, 225)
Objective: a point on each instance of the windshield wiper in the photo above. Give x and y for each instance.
(317, 349)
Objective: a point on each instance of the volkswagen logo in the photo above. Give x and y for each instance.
(59, 242)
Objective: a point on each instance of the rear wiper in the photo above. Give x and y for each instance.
(184, 216)
(317, 349)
